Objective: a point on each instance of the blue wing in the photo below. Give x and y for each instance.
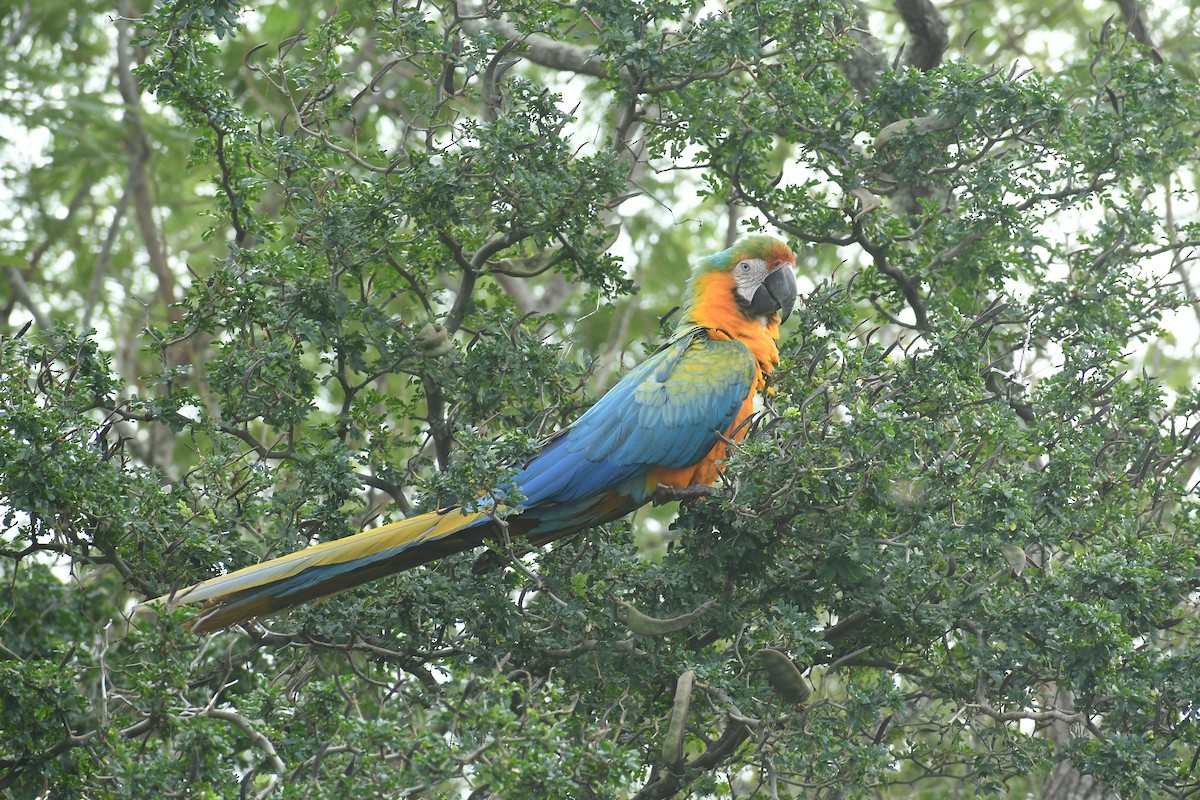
(666, 412)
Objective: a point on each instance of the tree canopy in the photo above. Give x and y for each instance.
(273, 274)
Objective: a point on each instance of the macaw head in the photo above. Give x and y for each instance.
(757, 274)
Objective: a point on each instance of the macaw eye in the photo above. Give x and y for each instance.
(744, 266)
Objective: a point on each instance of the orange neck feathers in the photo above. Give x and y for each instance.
(715, 308)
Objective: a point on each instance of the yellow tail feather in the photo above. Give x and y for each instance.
(282, 583)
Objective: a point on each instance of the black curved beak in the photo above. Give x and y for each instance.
(777, 292)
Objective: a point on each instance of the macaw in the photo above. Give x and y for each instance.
(666, 425)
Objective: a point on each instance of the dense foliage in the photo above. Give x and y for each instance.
(275, 273)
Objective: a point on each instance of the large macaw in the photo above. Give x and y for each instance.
(665, 424)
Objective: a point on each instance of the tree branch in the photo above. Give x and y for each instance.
(1135, 23)
(908, 287)
(257, 737)
(539, 49)
(21, 293)
(101, 268)
(864, 66)
(929, 31)
(138, 148)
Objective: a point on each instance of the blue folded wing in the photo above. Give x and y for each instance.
(666, 412)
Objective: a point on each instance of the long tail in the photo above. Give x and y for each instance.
(326, 569)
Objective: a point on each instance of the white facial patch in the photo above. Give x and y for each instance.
(748, 275)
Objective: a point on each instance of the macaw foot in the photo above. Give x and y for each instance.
(668, 494)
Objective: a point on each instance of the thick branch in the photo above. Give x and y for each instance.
(929, 32)
(101, 269)
(256, 736)
(908, 287)
(866, 63)
(1135, 23)
(844, 626)
(20, 291)
(539, 49)
(466, 286)
(138, 148)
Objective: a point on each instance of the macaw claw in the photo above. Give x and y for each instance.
(669, 494)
